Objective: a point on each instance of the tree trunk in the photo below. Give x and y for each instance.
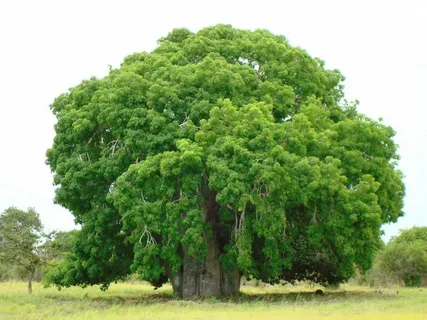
(30, 281)
(208, 278)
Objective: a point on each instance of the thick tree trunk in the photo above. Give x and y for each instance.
(30, 281)
(206, 278)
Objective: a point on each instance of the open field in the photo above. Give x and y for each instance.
(139, 301)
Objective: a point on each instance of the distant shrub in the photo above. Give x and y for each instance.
(403, 261)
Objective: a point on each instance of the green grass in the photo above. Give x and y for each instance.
(140, 301)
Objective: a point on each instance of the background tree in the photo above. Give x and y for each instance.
(221, 153)
(405, 256)
(57, 250)
(59, 245)
(20, 236)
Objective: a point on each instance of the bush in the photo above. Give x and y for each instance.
(405, 257)
(377, 277)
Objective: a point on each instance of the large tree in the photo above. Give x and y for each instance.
(221, 153)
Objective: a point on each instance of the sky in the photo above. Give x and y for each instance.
(47, 47)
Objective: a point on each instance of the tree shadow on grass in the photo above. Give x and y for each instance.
(288, 298)
(312, 297)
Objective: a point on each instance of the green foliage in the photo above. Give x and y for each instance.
(21, 245)
(302, 182)
(25, 249)
(405, 256)
(51, 249)
(59, 245)
(20, 236)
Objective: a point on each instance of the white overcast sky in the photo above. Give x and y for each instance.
(46, 47)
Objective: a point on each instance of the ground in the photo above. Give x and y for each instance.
(140, 301)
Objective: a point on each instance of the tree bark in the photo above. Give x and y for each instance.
(207, 278)
(30, 281)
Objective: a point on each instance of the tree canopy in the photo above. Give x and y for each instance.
(221, 153)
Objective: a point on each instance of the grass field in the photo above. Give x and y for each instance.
(139, 301)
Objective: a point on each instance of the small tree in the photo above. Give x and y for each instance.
(58, 245)
(405, 256)
(21, 234)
